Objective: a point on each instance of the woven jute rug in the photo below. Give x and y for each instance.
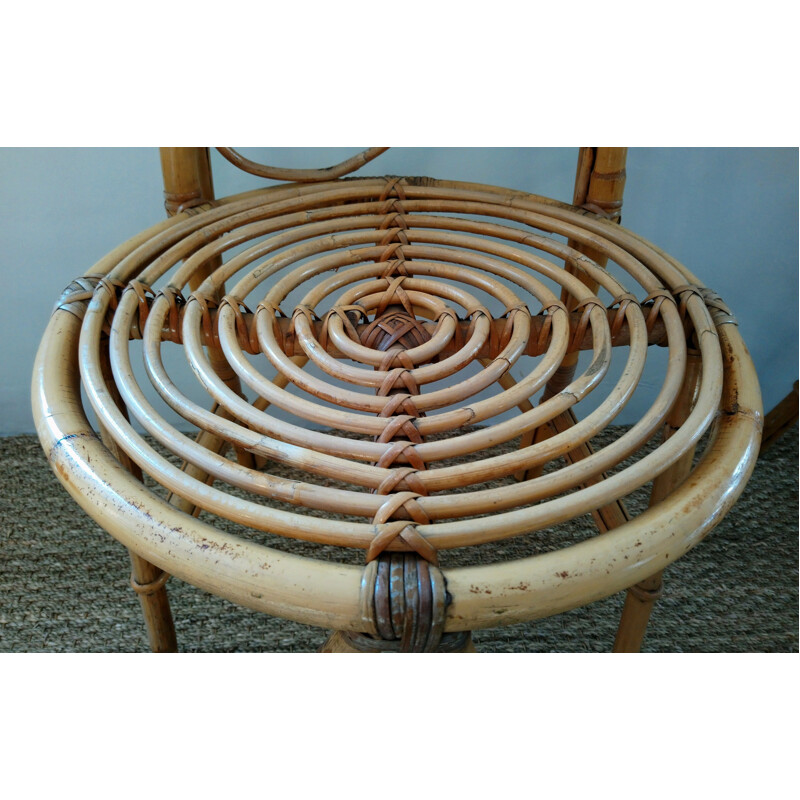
(64, 582)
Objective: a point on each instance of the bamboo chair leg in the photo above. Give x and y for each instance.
(780, 419)
(211, 442)
(599, 185)
(507, 382)
(262, 404)
(147, 580)
(188, 182)
(223, 369)
(641, 598)
(609, 516)
(636, 612)
(216, 444)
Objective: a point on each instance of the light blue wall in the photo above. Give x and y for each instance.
(730, 215)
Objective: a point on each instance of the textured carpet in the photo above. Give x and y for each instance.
(64, 582)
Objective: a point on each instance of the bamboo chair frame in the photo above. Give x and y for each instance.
(396, 275)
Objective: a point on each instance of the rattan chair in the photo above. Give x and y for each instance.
(387, 387)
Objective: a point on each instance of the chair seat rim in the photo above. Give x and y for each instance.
(319, 593)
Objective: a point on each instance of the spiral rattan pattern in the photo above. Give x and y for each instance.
(412, 306)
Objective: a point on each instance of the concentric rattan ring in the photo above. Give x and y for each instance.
(284, 236)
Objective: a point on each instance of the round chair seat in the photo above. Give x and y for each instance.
(384, 336)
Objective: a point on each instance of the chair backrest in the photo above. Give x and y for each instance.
(599, 182)
(188, 182)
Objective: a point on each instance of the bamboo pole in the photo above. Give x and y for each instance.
(187, 178)
(538, 343)
(603, 193)
(188, 183)
(599, 185)
(641, 597)
(309, 175)
(780, 419)
(147, 580)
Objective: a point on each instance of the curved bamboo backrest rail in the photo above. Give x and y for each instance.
(393, 289)
(301, 175)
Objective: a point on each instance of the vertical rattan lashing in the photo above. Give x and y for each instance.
(368, 373)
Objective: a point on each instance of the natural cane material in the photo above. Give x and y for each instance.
(385, 311)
